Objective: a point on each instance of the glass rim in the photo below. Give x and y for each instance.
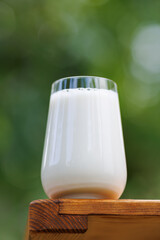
(77, 82)
(84, 76)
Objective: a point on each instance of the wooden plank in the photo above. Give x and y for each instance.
(26, 236)
(103, 227)
(56, 236)
(112, 228)
(113, 207)
(44, 217)
(74, 219)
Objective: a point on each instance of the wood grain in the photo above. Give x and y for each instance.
(74, 219)
(44, 217)
(57, 236)
(113, 207)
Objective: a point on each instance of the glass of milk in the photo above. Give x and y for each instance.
(84, 153)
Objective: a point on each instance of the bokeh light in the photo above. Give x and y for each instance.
(95, 2)
(7, 20)
(146, 47)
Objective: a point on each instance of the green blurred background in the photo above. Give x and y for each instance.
(42, 41)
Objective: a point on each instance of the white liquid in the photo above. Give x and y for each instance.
(84, 143)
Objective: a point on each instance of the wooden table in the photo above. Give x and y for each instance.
(68, 219)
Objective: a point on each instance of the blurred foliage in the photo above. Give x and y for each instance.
(42, 41)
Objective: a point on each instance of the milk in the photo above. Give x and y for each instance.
(84, 150)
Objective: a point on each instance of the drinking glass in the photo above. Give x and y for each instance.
(84, 153)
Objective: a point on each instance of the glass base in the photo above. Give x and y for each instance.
(90, 193)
